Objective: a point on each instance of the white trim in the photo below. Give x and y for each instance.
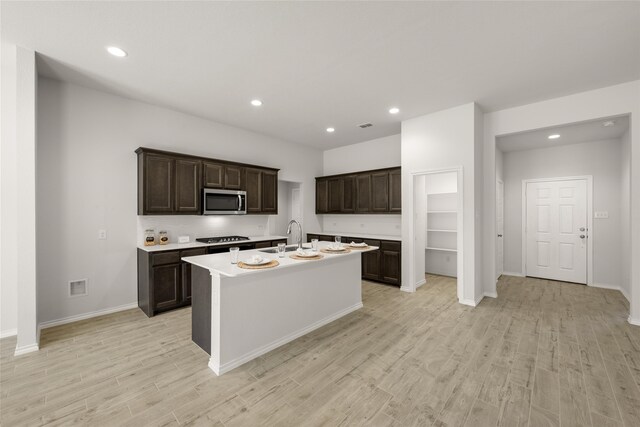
(512, 273)
(8, 333)
(420, 283)
(623, 291)
(633, 321)
(491, 294)
(460, 228)
(499, 273)
(590, 240)
(71, 319)
(470, 302)
(232, 364)
(26, 349)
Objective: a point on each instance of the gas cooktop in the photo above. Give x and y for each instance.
(222, 239)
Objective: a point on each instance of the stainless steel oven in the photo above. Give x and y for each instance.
(223, 202)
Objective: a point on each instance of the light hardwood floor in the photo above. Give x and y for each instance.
(542, 354)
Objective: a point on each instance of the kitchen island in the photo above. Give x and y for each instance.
(239, 314)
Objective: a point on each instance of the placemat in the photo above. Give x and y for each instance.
(324, 251)
(271, 264)
(303, 258)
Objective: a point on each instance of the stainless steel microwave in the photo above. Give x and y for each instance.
(223, 202)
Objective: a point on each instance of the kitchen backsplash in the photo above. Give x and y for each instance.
(204, 226)
(385, 225)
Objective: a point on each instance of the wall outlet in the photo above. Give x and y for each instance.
(603, 214)
(260, 227)
(361, 225)
(102, 234)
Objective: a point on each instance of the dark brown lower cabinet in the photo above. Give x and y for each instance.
(383, 265)
(164, 281)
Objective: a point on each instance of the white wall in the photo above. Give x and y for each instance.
(18, 220)
(591, 105)
(375, 154)
(602, 160)
(9, 195)
(88, 182)
(442, 140)
(625, 225)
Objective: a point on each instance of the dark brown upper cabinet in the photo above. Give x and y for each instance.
(363, 193)
(269, 192)
(368, 192)
(156, 181)
(348, 192)
(219, 175)
(322, 195)
(188, 186)
(395, 191)
(213, 175)
(380, 192)
(172, 183)
(335, 195)
(233, 177)
(253, 182)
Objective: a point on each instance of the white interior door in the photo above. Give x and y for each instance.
(556, 230)
(499, 228)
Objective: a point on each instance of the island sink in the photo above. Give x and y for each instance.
(275, 250)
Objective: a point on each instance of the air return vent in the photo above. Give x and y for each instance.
(365, 125)
(78, 288)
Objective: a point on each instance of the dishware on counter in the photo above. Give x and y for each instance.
(149, 237)
(358, 245)
(257, 260)
(163, 236)
(234, 254)
(306, 253)
(282, 247)
(314, 245)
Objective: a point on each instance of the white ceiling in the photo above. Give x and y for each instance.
(339, 64)
(574, 133)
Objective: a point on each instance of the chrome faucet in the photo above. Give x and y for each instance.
(293, 221)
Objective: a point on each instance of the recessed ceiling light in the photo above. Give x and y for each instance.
(394, 110)
(116, 51)
(330, 130)
(609, 123)
(554, 136)
(256, 102)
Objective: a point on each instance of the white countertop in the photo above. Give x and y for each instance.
(194, 244)
(360, 235)
(221, 263)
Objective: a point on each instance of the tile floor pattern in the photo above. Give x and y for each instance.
(542, 354)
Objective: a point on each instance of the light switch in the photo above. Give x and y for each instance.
(602, 214)
(102, 234)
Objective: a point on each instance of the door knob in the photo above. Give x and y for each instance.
(499, 235)
(582, 236)
(582, 228)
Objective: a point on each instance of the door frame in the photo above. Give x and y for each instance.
(589, 180)
(498, 274)
(459, 238)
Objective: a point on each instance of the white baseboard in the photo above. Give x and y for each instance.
(625, 294)
(8, 333)
(470, 302)
(420, 283)
(232, 364)
(83, 316)
(26, 349)
(512, 273)
(406, 289)
(491, 294)
(633, 321)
